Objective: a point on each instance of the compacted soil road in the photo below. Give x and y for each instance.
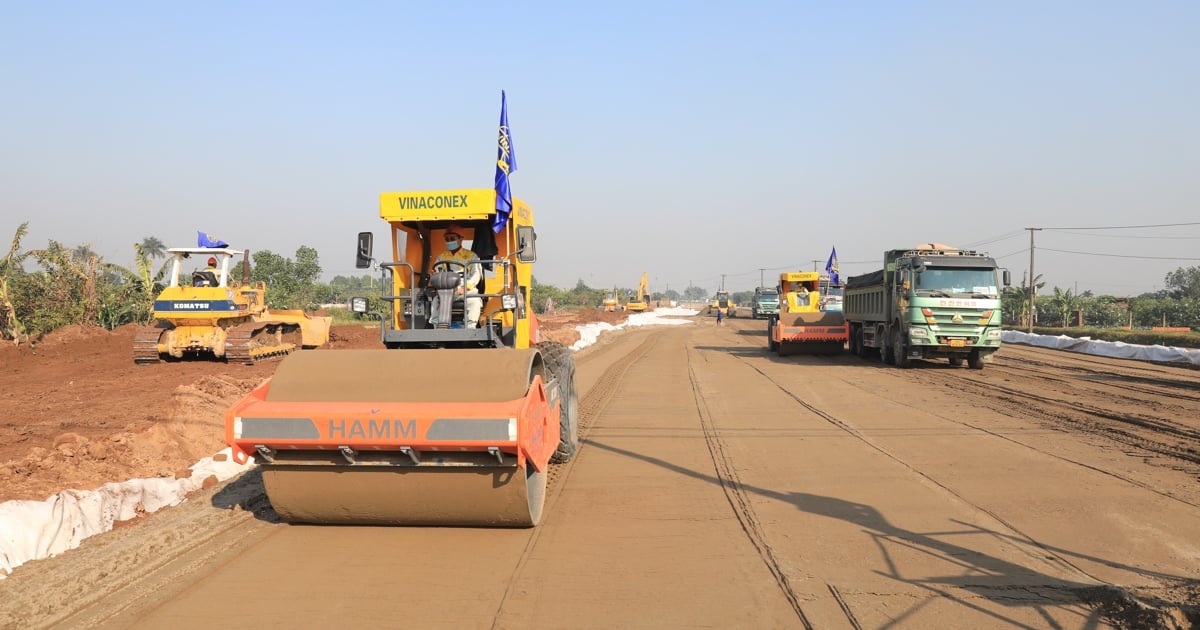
(721, 486)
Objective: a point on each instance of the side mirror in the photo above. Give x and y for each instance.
(363, 260)
(526, 248)
(1007, 279)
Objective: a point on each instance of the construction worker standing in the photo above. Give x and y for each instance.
(472, 274)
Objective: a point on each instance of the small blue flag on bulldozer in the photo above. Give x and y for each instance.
(506, 164)
(204, 240)
(831, 268)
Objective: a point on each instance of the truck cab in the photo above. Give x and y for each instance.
(766, 302)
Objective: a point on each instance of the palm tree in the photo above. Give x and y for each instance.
(83, 253)
(1064, 302)
(153, 247)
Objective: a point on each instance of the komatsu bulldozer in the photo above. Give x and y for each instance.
(611, 302)
(209, 314)
(453, 421)
(637, 302)
(801, 325)
(722, 304)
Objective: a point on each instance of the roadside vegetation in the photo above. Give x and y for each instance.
(43, 289)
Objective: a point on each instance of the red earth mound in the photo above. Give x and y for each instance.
(75, 412)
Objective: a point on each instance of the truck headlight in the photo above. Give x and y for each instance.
(994, 333)
(918, 332)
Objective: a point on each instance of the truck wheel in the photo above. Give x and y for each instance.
(771, 345)
(975, 360)
(956, 360)
(886, 349)
(900, 347)
(861, 346)
(560, 363)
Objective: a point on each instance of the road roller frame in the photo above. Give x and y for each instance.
(801, 326)
(443, 425)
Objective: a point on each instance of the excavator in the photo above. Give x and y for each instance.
(453, 420)
(637, 303)
(207, 313)
(802, 326)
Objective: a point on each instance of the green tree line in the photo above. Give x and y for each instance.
(43, 289)
(1177, 305)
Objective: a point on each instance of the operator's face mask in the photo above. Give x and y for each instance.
(452, 244)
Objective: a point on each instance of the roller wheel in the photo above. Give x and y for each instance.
(560, 364)
(975, 360)
(899, 347)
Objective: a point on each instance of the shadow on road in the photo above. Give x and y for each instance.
(982, 574)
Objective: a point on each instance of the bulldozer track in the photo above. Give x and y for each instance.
(249, 343)
(145, 345)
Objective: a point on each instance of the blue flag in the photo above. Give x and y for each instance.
(204, 240)
(831, 268)
(506, 164)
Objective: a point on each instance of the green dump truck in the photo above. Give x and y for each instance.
(932, 301)
(765, 303)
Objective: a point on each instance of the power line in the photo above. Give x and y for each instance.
(994, 239)
(1183, 238)
(1124, 227)
(1064, 251)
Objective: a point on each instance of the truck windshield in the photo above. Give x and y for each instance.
(961, 283)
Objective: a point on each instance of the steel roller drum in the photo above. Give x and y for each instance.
(455, 489)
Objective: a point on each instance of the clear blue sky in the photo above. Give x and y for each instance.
(684, 139)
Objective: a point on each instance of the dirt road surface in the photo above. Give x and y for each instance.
(721, 486)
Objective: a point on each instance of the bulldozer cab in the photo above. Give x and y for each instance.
(195, 259)
(420, 272)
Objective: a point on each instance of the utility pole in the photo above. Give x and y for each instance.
(815, 261)
(1032, 279)
(722, 282)
(760, 276)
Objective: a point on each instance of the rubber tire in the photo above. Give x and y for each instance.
(975, 360)
(886, 351)
(771, 344)
(956, 360)
(560, 363)
(863, 351)
(899, 348)
(850, 341)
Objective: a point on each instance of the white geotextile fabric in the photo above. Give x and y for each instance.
(589, 333)
(31, 530)
(1118, 349)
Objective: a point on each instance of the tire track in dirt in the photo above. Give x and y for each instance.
(1114, 601)
(739, 499)
(590, 407)
(1149, 434)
